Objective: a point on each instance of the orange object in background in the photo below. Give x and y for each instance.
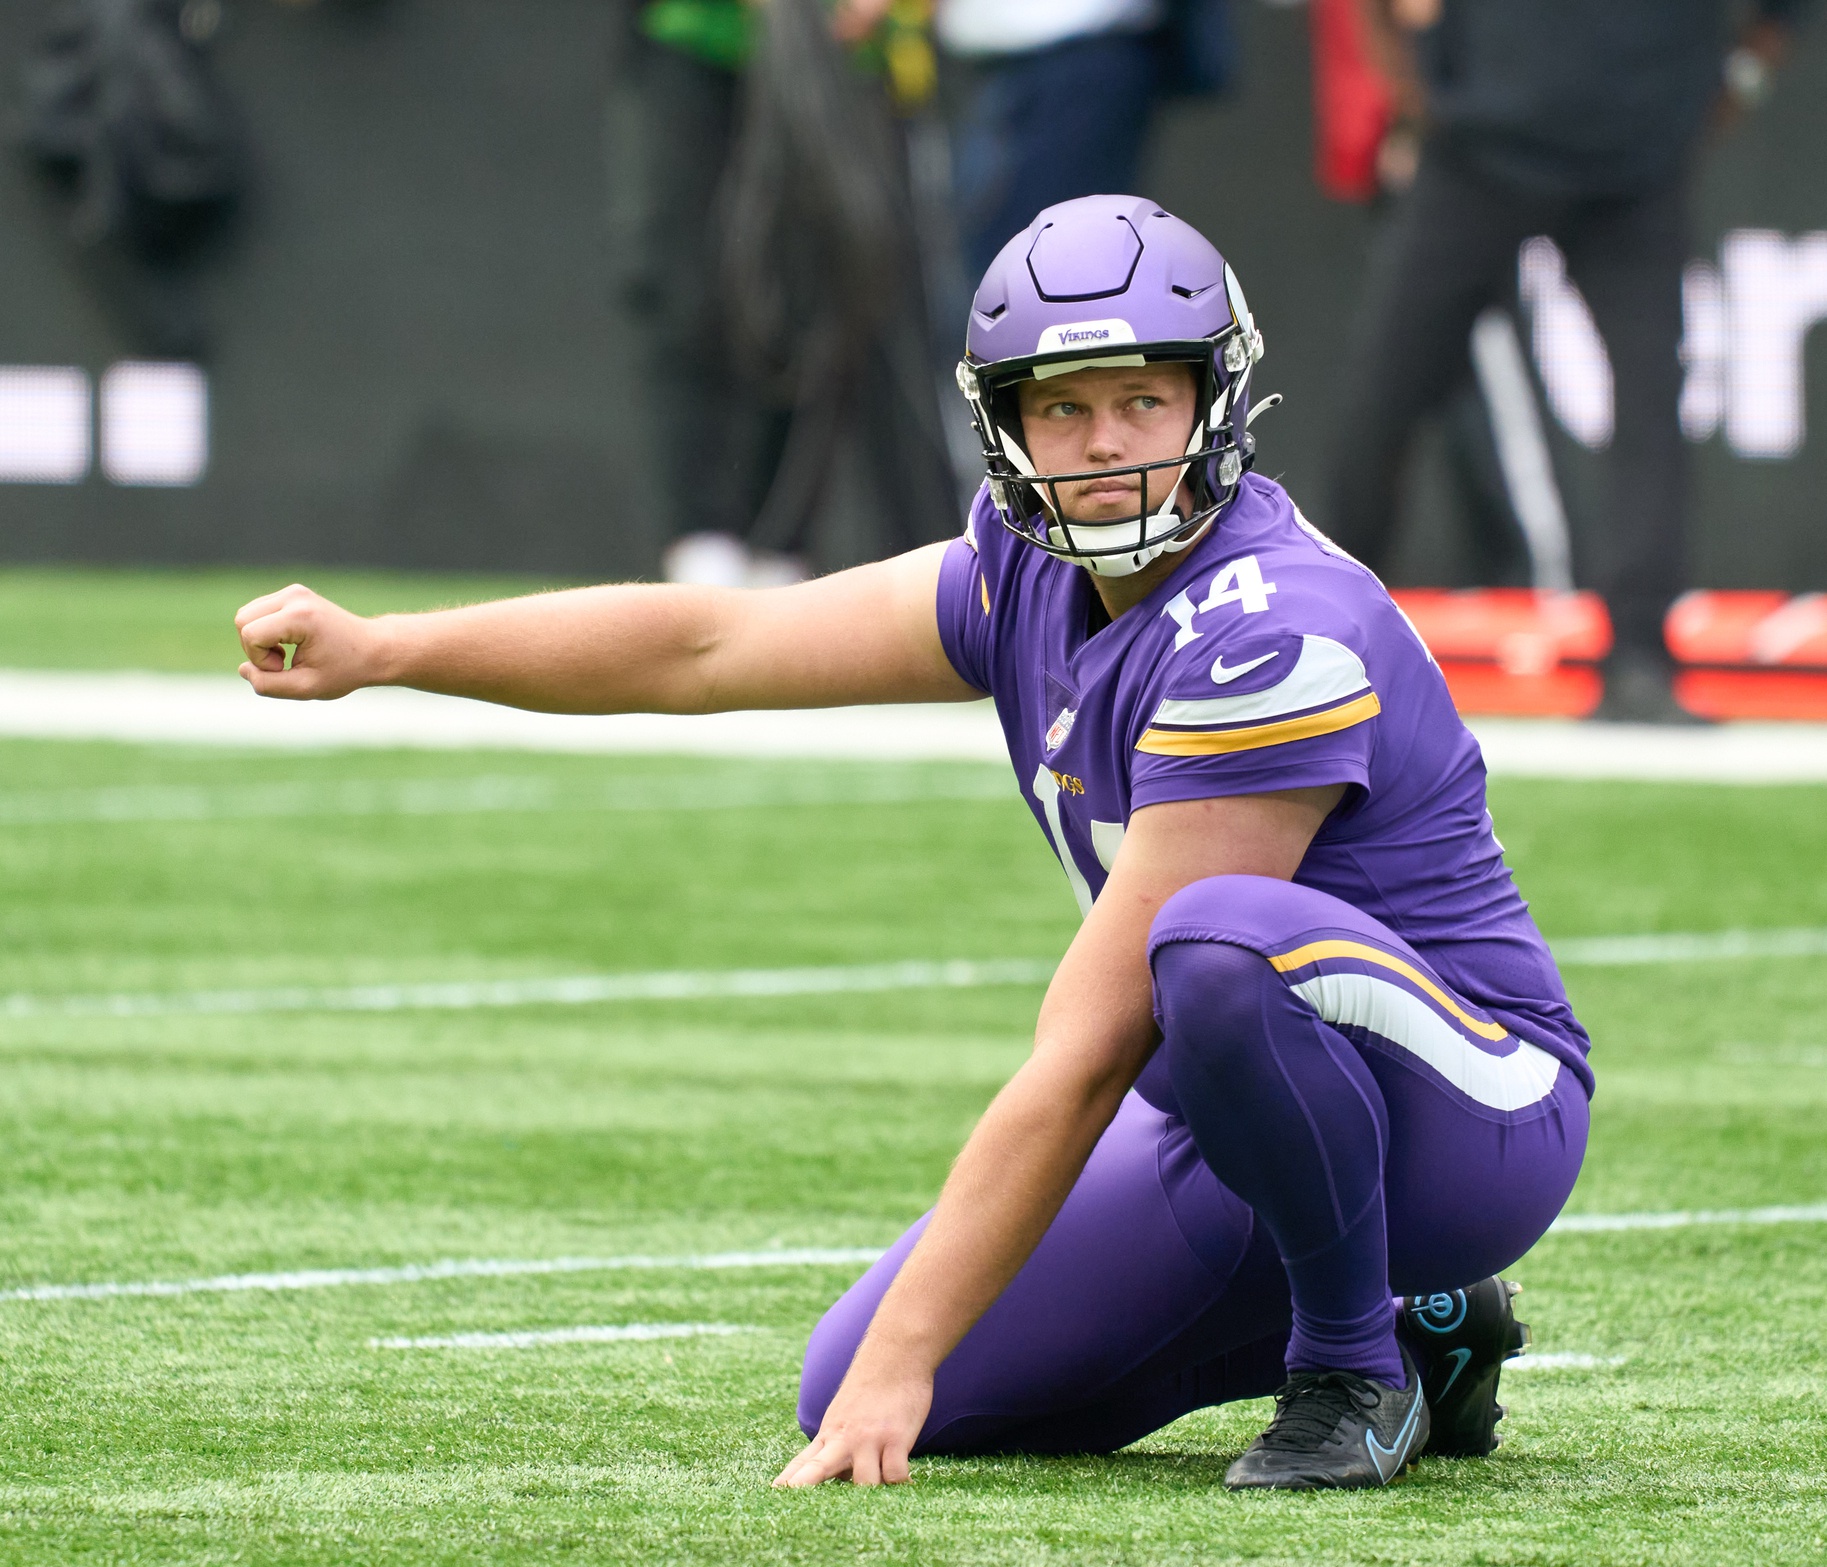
(1767, 630)
(1760, 655)
(1513, 651)
(1519, 653)
(1351, 102)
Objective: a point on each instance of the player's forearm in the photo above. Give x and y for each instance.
(866, 635)
(587, 650)
(1095, 1033)
(1005, 1189)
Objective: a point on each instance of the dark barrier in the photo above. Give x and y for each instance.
(412, 353)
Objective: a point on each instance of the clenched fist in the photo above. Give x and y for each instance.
(334, 652)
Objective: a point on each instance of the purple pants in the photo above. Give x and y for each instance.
(1324, 1124)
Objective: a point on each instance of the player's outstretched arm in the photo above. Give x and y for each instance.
(1095, 1033)
(866, 635)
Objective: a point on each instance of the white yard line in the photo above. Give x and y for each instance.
(795, 1257)
(221, 710)
(703, 790)
(1564, 1360)
(1695, 947)
(724, 984)
(455, 1268)
(1716, 753)
(573, 990)
(1605, 1223)
(534, 1340)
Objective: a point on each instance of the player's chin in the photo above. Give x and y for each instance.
(1113, 506)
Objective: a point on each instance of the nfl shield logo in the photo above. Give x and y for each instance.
(1062, 726)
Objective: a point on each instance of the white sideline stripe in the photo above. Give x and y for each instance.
(533, 1340)
(1525, 1076)
(1707, 947)
(152, 709)
(1561, 1360)
(454, 1268)
(572, 990)
(500, 793)
(714, 984)
(795, 1257)
(1651, 753)
(1606, 1223)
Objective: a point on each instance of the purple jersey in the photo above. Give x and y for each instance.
(1268, 659)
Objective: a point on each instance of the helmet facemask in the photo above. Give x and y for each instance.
(1218, 451)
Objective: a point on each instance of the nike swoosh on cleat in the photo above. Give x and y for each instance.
(1223, 676)
(1378, 1452)
(1459, 1358)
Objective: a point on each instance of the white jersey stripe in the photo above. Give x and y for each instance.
(1326, 671)
(1509, 1082)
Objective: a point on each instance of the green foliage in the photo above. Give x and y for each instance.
(262, 1427)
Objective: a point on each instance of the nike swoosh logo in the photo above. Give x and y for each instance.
(1224, 677)
(1459, 1357)
(1378, 1452)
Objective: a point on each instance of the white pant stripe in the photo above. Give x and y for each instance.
(1511, 1082)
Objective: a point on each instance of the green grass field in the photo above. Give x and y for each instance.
(262, 1426)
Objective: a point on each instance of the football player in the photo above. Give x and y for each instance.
(1306, 1078)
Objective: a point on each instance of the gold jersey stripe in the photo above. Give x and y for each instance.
(983, 585)
(1215, 742)
(1317, 951)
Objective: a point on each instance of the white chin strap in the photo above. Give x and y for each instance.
(1111, 535)
(1128, 565)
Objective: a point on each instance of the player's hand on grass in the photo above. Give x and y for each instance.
(867, 1433)
(333, 651)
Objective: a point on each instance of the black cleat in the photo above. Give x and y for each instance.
(1461, 1339)
(1336, 1430)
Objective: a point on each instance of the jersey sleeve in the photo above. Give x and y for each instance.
(964, 610)
(1274, 711)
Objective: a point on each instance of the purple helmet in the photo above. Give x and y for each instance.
(1110, 280)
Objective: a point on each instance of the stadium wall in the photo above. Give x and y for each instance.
(415, 355)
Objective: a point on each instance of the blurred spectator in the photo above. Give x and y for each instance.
(1062, 95)
(1515, 527)
(1353, 104)
(758, 175)
(673, 116)
(1579, 120)
(824, 279)
(124, 112)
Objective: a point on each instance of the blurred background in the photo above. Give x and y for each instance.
(548, 289)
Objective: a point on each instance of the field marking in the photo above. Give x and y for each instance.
(731, 984)
(451, 1268)
(572, 990)
(1563, 1360)
(1690, 947)
(1609, 1223)
(220, 710)
(499, 793)
(640, 1331)
(786, 1257)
